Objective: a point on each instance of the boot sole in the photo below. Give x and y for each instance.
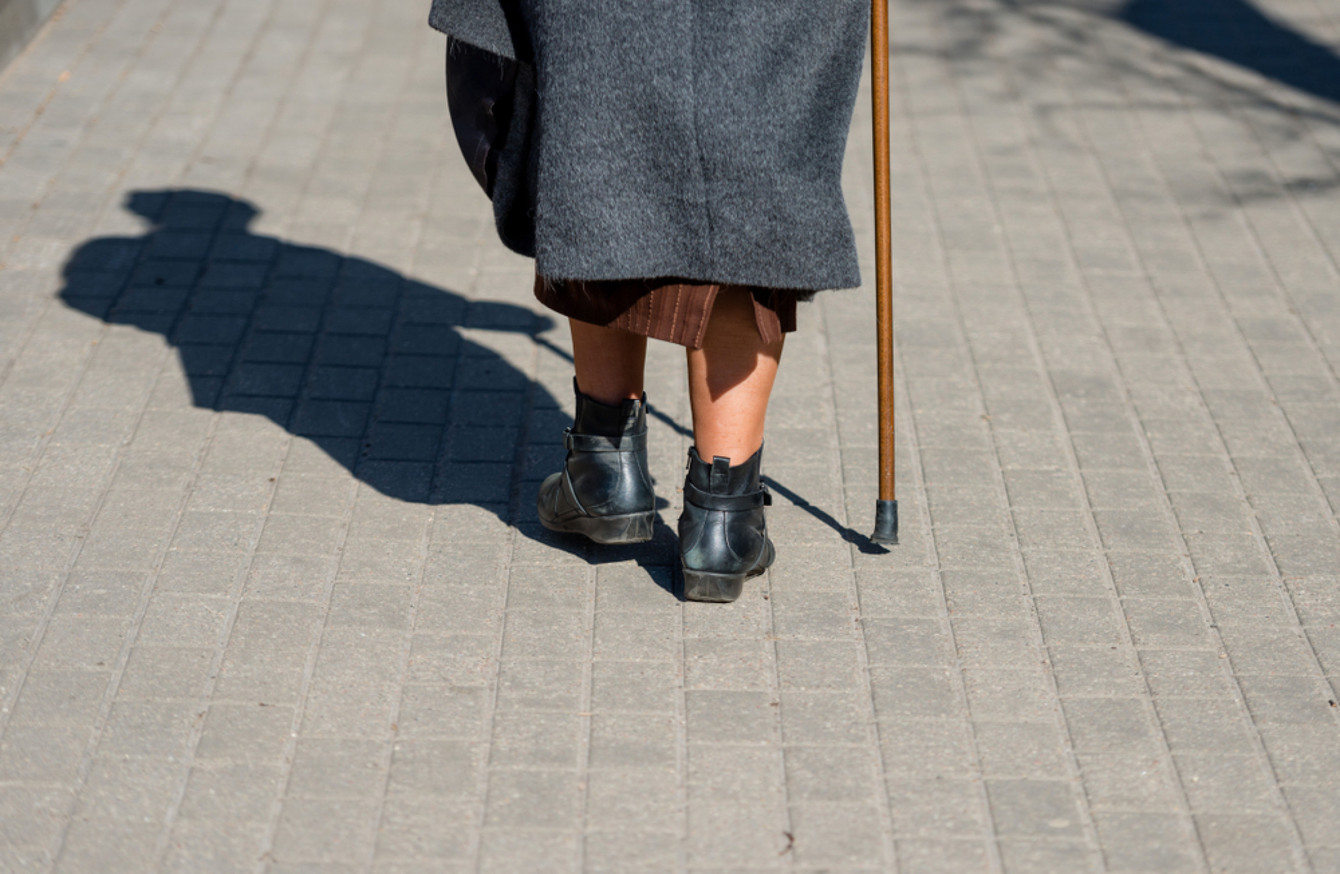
(714, 588)
(609, 530)
(722, 588)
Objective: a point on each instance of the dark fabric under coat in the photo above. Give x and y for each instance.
(700, 139)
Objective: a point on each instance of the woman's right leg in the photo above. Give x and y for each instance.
(723, 538)
(730, 380)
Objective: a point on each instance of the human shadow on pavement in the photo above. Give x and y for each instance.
(369, 365)
(1237, 32)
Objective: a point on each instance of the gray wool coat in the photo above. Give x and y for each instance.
(700, 139)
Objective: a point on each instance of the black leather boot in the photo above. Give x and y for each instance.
(723, 538)
(604, 489)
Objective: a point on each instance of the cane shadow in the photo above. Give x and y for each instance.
(1237, 32)
(376, 369)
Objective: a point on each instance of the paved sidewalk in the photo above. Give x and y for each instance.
(274, 404)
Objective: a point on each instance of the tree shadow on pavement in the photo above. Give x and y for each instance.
(1057, 56)
(1237, 32)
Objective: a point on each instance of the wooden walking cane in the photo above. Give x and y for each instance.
(886, 508)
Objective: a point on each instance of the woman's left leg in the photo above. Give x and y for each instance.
(604, 490)
(610, 363)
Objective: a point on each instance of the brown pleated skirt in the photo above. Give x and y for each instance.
(674, 310)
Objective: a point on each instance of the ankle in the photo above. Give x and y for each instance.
(609, 394)
(725, 478)
(607, 419)
(737, 454)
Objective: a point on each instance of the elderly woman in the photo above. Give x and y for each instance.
(674, 168)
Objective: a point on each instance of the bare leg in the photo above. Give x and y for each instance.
(730, 381)
(610, 363)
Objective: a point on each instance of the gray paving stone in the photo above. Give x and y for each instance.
(114, 844)
(1045, 857)
(825, 717)
(1109, 725)
(652, 637)
(1314, 811)
(129, 789)
(623, 850)
(906, 641)
(196, 844)
(1248, 843)
(632, 740)
(73, 697)
(1020, 750)
(528, 849)
(322, 830)
(1226, 783)
(230, 793)
(1272, 651)
(528, 798)
(929, 748)
(848, 836)
(49, 753)
(245, 732)
(1166, 623)
(640, 797)
(1009, 694)
(714, 663)
(440, 710)
(348, 709)
(914, 693)
(77, 641)
(1314, 598)
(1034, 808)
(1248, 601)
(733, 774)
(1066, 572)
(1287, 700)
(911, 593)
(986, 641)
(941, 856)
(831, 773)
(742, 716)
(1078, 621)
(202, 573)
(1116, 781)
(819, 664)
(532, 739)
(148, 728)
(633, 686)
(423, 828)
(732, 835)
(461, 659)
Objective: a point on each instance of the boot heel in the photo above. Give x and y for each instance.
(705, 586)
(632, 528)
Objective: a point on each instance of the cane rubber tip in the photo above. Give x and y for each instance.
(886, 522)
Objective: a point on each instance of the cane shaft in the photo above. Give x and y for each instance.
(879, 59)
